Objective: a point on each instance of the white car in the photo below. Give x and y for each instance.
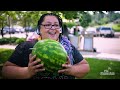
(106, 31)
(91, 30)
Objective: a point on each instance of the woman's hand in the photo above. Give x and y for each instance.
(66, 67)
(78, 70)
(34, 66)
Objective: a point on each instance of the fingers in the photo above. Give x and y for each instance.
(66, 65)
(34, 65)
(62, 71)
(31, 58)
(66, 68)
(38, 66)
(68, 60)
(39, 70)
(35, 62)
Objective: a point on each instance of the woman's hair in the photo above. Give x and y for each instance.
(48, 14)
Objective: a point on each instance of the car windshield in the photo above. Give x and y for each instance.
(105, 28)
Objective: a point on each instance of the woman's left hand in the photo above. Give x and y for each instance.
(78, 70)
(66, 70)
(67, 67)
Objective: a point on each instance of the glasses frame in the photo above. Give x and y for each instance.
(50, 26)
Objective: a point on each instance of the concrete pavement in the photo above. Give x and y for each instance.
(106, 56)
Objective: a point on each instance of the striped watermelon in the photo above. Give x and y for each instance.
(51, 53)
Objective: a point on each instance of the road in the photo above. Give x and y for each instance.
(107, 45)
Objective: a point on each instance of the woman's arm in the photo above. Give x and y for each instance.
(13, 71)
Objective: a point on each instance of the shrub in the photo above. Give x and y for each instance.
(13, 39)
(4, 41)
(8, 40)
(20, 40)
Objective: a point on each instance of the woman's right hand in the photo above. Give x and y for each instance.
(33, 66)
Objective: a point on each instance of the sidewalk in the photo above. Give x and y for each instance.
(86, 54)
(8, 46)
(106, 56)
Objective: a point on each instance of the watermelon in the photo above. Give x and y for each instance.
(51, 53)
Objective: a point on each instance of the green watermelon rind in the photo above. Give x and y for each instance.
(50, 64)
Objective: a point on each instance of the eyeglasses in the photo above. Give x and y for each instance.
(49, 26)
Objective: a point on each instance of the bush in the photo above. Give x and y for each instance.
(5, 54)
(4, 41)
(12, 40)
(20, 40)
(8, 40)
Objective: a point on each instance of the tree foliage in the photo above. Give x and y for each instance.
(85, 19)
(30, 18)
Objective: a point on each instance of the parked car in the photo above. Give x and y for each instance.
(91, 30)
(105, 31)
(4, 32)
(29, 29)
(9, 30)
(19, 29)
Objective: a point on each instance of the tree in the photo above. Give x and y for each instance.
(2, 22)
(85, 19)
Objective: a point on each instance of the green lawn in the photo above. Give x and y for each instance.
(103, 69)
(116, 27)
(4, 54)
(100, 69)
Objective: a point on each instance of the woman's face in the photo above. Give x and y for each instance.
(50, 28)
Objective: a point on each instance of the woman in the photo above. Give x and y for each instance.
(22, 65)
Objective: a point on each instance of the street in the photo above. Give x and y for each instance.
(107, 45)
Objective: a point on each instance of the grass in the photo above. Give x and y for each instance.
(103, 69)
(99, 69)
(116, 27)
(5, 54)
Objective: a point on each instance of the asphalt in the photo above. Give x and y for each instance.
(86, 54)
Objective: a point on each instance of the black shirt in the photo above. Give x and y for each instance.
(20, 57)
